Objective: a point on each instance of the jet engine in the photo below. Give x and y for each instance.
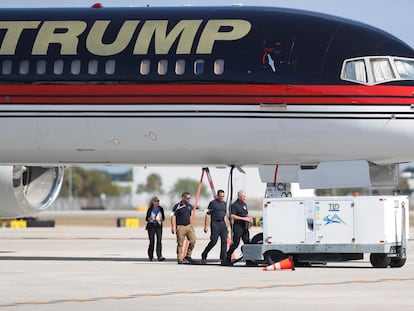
(27, 190)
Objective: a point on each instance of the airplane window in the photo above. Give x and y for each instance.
(355, 71)
(6, 67)
(199, 66)
(24, 67)
(180, 67)
(405, 68)
(110, 67)
(144, 68)
(93, 67)
(162, 67)
(75, 67)
(58, 67)
(41, 67)
(381, 69)
(219, 66)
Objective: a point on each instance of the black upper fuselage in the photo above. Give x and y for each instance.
(212, 45)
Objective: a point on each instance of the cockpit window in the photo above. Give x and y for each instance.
(373, 70)
(381, 70)
(355, 71)
(405, 68)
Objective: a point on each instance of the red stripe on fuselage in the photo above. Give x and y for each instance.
(206, 94)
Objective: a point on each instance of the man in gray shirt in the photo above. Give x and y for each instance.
(216, 216)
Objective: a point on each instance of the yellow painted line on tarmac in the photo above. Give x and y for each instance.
(296, 285)
(116, 297)
(151, 295)
(201, 291)
(78, 300)
(184, 292)
(222, 290)
(255, 287)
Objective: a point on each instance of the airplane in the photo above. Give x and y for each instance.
(306, 97)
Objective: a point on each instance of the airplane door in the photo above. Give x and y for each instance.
(279, 58)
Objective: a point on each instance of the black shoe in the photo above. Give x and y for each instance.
(180, 262)
(150, 259)
(226, 263)
(188, 259)
(203, 259)
(161, 258)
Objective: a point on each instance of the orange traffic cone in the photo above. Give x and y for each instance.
(285, 264)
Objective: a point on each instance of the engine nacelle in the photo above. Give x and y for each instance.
(27, 190)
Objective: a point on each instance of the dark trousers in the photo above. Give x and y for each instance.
(240, 231)
(154, 229)
(218, 229)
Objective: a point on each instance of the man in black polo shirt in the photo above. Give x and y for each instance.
(216, 216)
(181, 224)
(241, 224)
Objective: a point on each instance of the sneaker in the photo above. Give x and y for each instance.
(161, 258)
(180, 262)
(188, 259)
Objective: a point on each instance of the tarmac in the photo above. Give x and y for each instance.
(106, 268)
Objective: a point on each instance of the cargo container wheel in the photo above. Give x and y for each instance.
(397, 262)
(379, 260)
(274, 256)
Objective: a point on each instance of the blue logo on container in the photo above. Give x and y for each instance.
(335, 219)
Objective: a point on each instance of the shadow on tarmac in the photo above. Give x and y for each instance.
(195, 261)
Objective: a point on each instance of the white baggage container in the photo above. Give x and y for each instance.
(322, 229)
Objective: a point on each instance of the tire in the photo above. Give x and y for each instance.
(299, 263)
(379, 260)
(257, 239)
(398, 262)
(272, 257)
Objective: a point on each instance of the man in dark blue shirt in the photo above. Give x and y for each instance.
(216, 216)
(241, 224)
(181, 225)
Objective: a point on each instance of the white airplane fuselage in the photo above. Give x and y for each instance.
(207, 135)
(203, 133)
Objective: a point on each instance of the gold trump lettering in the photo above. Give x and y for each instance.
(153, 33)
(212, 33)
(13, 34)
(65, 33)
(94, 40)
(186, 29)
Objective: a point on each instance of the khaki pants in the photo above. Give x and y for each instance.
(182, 233)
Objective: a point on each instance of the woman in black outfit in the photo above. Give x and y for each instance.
(155, 218)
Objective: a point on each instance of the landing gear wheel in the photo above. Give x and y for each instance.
(398, 262)
(379, 260)
(272, 257)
